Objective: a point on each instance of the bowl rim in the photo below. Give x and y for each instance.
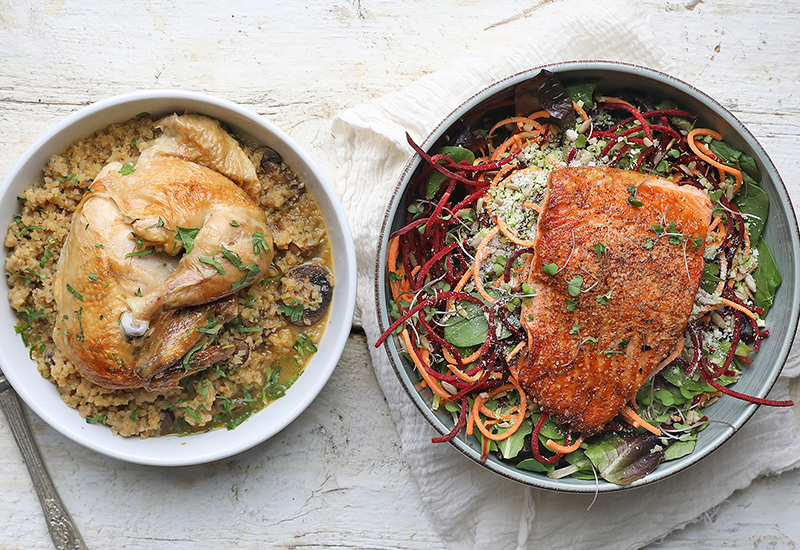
(507, 470)
(216, 444)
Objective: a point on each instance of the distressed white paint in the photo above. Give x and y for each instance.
(334, 478)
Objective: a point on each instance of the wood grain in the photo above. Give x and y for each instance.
(334, 479)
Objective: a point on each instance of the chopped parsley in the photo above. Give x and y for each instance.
(213, 263)
(259, 244)
(237, 325)
(46, 256)
(599, 249)
(73, 177)
(80, 324)
(127, 169)
(186, 237)
(140, 253)
(75, 293)
(574, 286)
(294, 312)
(304, 345)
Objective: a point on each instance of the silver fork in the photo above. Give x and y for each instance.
(62, 529)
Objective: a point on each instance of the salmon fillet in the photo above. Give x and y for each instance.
(592, 344)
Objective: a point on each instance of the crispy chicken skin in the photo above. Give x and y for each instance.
(124, 278)
(589, 354)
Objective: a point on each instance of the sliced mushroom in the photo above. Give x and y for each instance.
(320, 278)
(268, 154)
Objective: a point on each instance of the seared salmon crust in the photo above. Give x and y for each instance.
(628, 250)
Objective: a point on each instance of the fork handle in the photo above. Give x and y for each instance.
(62, 529)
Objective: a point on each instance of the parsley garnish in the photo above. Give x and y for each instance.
(186, 237)
(294, 312)
(46, 256)
(234, 223)
(599, 249)
(100, 418)
(25, 228)
(127, 169)
(75, 293)
(304, 345)
(574, 286)
(69, 177)
(259, 244)
(80, 324)
(159, 223)
(140, 253)
(213, 263)
(237, 325)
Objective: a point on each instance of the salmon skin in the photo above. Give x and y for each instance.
(627, 249)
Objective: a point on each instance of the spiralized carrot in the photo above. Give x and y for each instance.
(475, 419)
(580, 111)
(518, 120)
(743, 309)
(566, 449)
(509, 235)
(676, 352)
(433, 384)
(636, 421)
(476, 266)
(702, 152)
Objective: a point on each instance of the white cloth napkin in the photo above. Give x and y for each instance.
(474, 508)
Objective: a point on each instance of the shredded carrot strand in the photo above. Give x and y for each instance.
(743, 309)
(635, 420)
(476, 266)
(580, 111)
(509, 235)
(515, 351)
(518, 120)
(701, 151)
(432, 382)
(676, 352)
(566, 449)
(475, 419)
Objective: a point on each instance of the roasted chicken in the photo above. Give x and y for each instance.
(156, 251)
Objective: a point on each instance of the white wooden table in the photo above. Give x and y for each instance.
(333, 479)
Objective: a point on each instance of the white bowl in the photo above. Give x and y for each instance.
(42, 396)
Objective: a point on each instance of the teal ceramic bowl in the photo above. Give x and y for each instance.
(781, 234)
